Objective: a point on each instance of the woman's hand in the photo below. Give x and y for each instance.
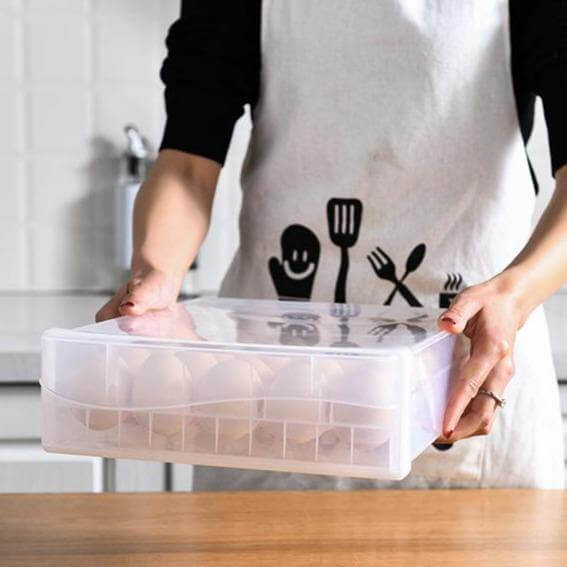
(147, 291)
(171, 218)
(489, 314)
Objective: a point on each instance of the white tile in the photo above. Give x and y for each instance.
(9, 49)
(60, 190)
(53, 6)
(170, 11)
(12, 190)
(111, 7)
(11, 130)
(61, 258)
(10, 6)
(12, 255)
(57, 48)
(127, 47)
(107, 275)
(115, 107)
(59, 119)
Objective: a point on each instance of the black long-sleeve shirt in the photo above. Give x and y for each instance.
(213, 70)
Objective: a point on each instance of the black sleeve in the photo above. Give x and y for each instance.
(211, 71)
(539, 68)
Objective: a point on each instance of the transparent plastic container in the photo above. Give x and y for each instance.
(350, 390)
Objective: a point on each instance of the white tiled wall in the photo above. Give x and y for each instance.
(72, 73)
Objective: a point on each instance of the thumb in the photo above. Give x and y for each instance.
(149, 292)
(455, 319)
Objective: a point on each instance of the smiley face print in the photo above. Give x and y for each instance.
(293, 276)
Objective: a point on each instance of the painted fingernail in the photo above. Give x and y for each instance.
(447, 319)
(127, 304)
(450, 433)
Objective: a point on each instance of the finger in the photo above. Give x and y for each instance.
(486, 352)
(143, 295)
(477, 420)
(482, 409)
(110, 309)
(463, 308)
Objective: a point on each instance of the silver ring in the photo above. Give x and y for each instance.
(500, 402)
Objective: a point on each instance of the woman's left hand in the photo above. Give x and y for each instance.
(489, 315)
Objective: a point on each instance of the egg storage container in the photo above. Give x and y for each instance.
(339, 389)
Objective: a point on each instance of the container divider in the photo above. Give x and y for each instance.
(311, 373)
(106, 368)
(88, 422)
(249, 436)
(119, 428)
(216, 434)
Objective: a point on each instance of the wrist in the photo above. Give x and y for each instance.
(516, 284)
(143, 264)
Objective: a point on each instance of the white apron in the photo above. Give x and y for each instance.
(391, 127)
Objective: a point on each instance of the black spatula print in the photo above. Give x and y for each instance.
(344, 217)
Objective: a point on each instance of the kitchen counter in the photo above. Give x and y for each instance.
(23, 317)
(449, 528)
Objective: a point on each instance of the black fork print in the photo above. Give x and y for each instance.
(385, 269)
(344, 217)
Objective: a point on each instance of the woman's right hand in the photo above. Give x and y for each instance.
(171, 217)
(147, 291)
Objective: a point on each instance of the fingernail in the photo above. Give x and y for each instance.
(449, 433)
(127, 304)
(447, 319)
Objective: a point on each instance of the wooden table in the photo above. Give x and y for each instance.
(284, 529)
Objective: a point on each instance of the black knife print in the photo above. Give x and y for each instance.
(385, 269)
(344, 217)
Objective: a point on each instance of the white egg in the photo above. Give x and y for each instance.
(265, 373)
(133, 357)
(231, 389)
(91, 388)
(363, 419)
(292, 399)
(161, 382)
(276, 362)
(134, 435)
(198, 363)
(368, 382)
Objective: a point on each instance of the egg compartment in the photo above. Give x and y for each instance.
(242, 390)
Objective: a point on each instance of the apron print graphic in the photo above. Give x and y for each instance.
(344, 217)
(300, 329)
(385, 269)
(384, 326)
(343, 312)
(450, 290)
(293, 277)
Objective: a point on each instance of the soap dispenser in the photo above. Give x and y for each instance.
(133, 172)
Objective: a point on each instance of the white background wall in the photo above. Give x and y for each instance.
(72, 73)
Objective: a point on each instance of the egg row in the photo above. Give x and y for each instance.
(162, 379)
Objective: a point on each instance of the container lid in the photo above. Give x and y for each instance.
(272, 325)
